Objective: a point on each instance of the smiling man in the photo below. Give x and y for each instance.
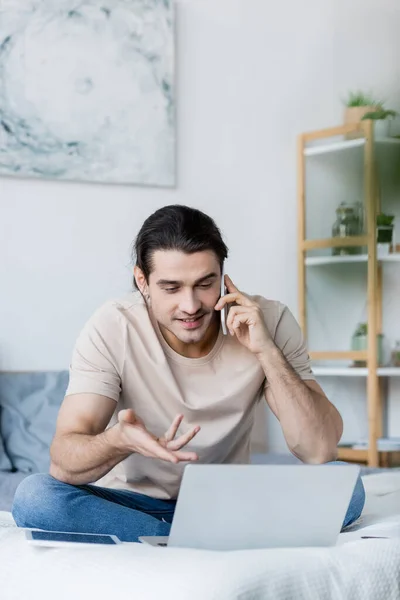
(180, 389)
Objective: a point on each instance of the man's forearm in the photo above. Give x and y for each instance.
(78, 458)
(311, 424)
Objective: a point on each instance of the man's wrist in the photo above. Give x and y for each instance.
(113, 439)
(269, 355)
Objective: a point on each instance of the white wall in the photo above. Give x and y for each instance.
(252, 74)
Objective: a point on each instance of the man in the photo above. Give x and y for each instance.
(182, 390)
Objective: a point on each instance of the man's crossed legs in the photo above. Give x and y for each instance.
(45, 503)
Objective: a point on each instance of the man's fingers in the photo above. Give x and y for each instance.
(154, 449)
(184, 439)
(148, 445)
(171, 433)
(168, 449)
(241, 315)
(176, 456)
(237, 297)
(186, 456)
(246, 318)
(230, 286)
(233, 312)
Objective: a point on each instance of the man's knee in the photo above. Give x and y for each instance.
(357, 501)
(34, 497)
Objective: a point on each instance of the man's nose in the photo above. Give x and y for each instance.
(189, 303)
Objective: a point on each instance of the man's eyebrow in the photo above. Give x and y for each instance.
(164, 282)
(209, 276)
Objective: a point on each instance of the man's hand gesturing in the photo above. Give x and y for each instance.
(135, 437)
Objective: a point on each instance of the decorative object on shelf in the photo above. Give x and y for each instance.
(357, 105)
(382, 121)
(396, 354)
(359, 342)
(384, 234)
(349, 222)
(87, 90)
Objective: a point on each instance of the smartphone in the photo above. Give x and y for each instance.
(223, 311)
(56, 539)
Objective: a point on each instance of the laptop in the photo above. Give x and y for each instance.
(237, 507)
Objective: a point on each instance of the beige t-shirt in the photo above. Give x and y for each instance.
(122, 354)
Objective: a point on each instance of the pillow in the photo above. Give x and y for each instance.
(30, 404)
(5, 464)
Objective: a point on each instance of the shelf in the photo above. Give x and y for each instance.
(345, 453)
(352, 141)
(391, 458)
(334, 242)
(354, 371)
(346, 145)
(346, 355)
(355, 258)
(387, 446)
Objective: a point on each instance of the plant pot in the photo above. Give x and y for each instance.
(381, 129)
(360, 343)
(354, 114)
(382, 250)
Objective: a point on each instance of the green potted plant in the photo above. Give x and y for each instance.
(384, 233)
(382, 119)
(359, 342)
(357, 105)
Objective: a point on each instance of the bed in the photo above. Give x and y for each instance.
(364, 569)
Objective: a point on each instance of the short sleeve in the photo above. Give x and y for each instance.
(98, 355)
(290, 340)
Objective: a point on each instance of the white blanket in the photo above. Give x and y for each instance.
(355, 569)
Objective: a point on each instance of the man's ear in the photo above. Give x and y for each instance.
(140, 280)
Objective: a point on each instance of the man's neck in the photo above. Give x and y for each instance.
(198, 350)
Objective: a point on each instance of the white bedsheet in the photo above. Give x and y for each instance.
(355, 569)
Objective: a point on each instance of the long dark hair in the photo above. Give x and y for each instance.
(177, 227)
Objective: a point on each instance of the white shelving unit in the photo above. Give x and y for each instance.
(355, 258)
(337, 146)
(337, 363)
(354, 371)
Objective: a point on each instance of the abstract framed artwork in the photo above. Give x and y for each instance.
(87, 90)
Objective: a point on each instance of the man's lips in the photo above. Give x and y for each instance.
(191, 323)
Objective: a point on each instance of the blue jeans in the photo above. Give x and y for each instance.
(45, 503)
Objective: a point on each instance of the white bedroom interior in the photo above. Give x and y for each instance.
(251, 76)
(249, 80)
